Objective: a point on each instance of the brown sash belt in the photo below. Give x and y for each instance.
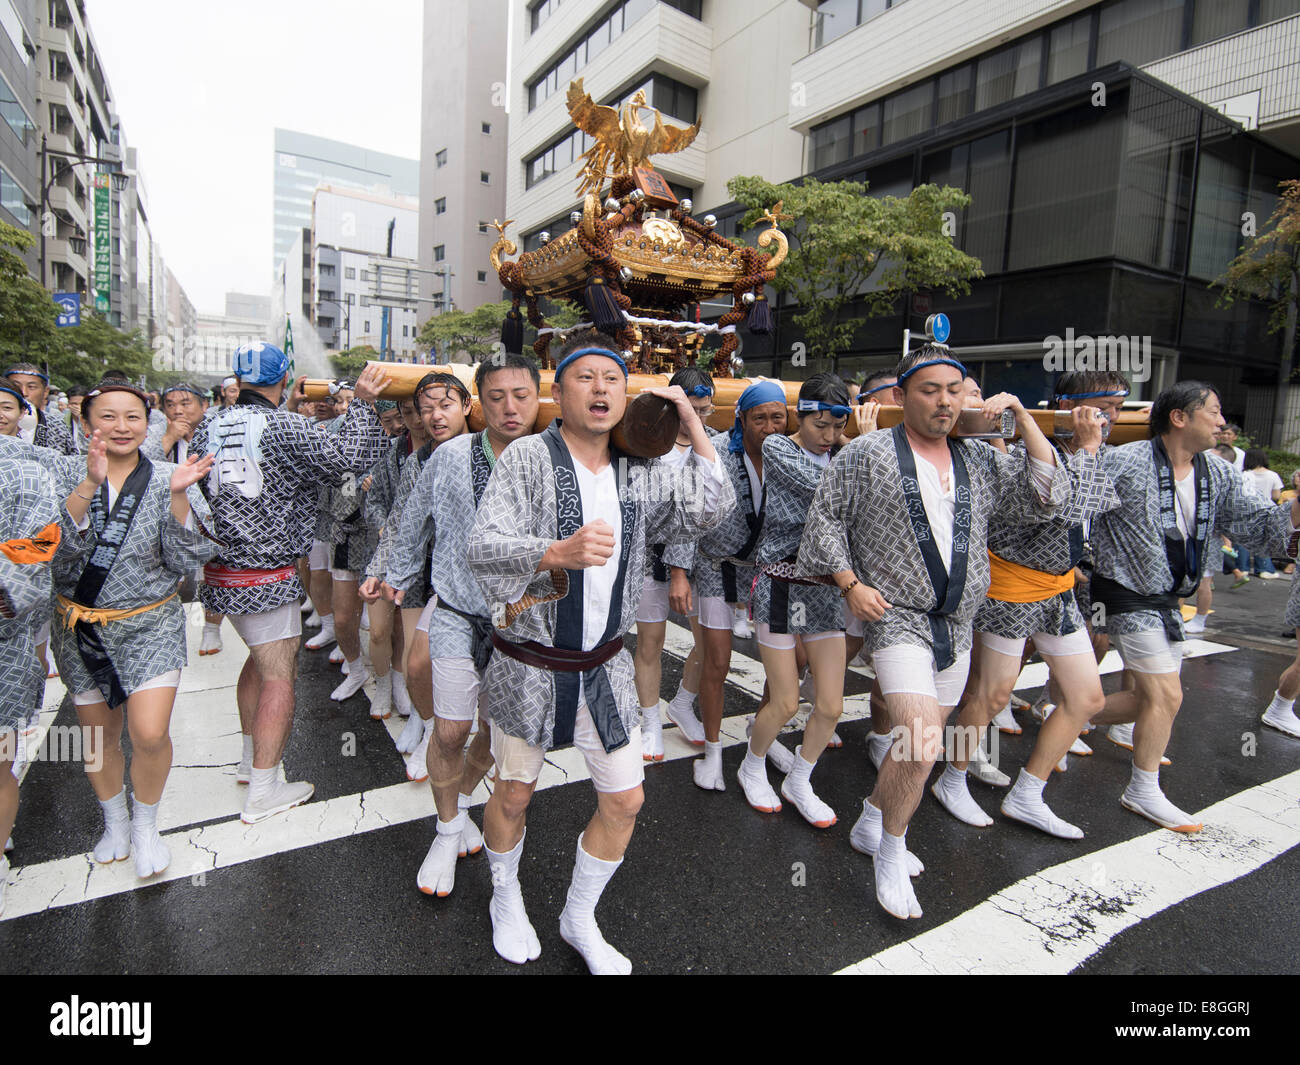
(557, 659)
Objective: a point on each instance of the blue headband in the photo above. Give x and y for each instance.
(872, 391)
(31, 373)
(700, 392)
(753, 396)
(1092, 395)
(932, 362)
(22, 400)
(839, 410)
(588, 351)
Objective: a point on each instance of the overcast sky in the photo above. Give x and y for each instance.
(200, 89)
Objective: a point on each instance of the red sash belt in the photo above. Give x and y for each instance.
(557, 659)
(218, 576)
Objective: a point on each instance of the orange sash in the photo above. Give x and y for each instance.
(40, 548)
(1013, 583)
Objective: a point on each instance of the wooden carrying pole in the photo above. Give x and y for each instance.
(1129, 425)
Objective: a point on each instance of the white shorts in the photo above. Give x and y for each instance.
(426, 614)
(345, 575)
(715, 612)
(784, 641)
(282, 623)
(457, 690)
(43, 634)
(905, 668)
(165, 680)
(853, 626)
(319, 556)
(615, 771)
(1149, 651)
(1076, 643)
(654, 602)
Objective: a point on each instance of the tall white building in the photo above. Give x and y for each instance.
(463, 172)
(339, 274)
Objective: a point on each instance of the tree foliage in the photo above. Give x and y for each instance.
(1268, 266)
(349, 363)
(472, 334)
(75, 355)
(846, 246)
(27, 313)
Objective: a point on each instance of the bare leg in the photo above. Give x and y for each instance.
(1077, 675)
(277, 665)
(715, 661)
(647, 662)
(381, 636)
(610, 829)
(322, 592)
(107, 779)
(148, 720)
(505, 814)
(347, 618)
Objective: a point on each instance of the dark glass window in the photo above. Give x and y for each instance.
(989, 186)
(439, 252)
(907, 112)
(890, 179)
(1270, 10)
(1157, 178)
(686, 7)
(830, 143)
(1212, 19)
(1138, 31)
(834, 19)
(1144, 306)
(1067, 48)
(954, 94)
(1007, 73)
(1220, 199)
(1063, 211)
(866, 129)
(440, 205)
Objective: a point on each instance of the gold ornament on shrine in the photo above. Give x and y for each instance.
(637, 262)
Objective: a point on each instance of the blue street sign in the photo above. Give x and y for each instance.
(939, 328)
(69, 308)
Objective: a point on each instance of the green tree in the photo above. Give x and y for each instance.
(1268, 269)
(92, 347)
(846, 246)
(27, 313)
(351, 362)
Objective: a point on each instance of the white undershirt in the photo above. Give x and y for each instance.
(1185, 511)
(755, 483)
(822, 458)
(941, 506)
(599, 493)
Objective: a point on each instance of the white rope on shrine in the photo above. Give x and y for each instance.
(696, 327)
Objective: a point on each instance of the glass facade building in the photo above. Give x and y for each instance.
(1108, 214)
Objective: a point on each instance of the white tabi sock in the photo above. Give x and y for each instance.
(1280, 705)
(652, 734)
(893, 885)
(797, 787)
(409, 738)
(437, 875)
(866, 833)
(381, 702)
(115, 844)
(951, 791)
(151, 853)
(1281, 716)
(578, 921)
(708, 770)
(752, 775)
(513, 936)
(244, 771)
(878, 747)
(683, 699)
(401, 698)
(1143, 796)
(1025, 803)
(471, 840)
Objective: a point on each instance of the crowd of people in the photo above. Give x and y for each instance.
(481, 585)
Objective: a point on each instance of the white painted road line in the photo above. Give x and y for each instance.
(1055, 920)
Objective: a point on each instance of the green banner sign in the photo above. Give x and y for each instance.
(103, 280)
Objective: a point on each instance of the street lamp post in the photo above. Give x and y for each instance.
(347, 320)
(119, 183)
